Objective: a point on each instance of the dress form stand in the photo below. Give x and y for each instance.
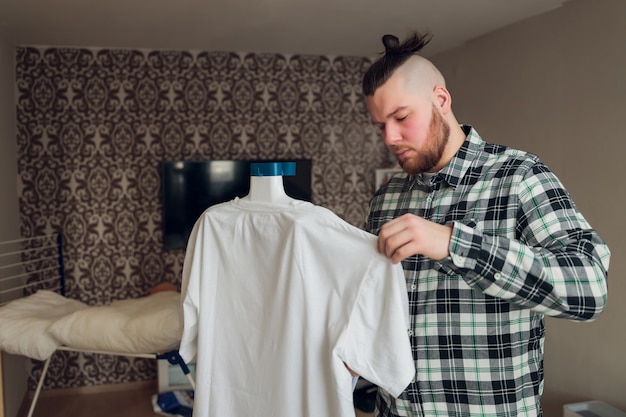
(266, 182)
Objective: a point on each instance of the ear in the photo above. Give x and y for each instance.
(442, 99)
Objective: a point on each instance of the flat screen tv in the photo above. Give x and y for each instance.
(190, 187)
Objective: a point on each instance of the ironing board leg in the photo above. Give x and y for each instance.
(39, 386)
(174, 358)
(192, 382)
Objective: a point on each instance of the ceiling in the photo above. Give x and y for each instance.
(317, 27)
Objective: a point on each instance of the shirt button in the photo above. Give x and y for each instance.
(497, 275)
(413, 287)
(410, 332)
(429, 199)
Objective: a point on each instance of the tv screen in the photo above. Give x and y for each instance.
(190, 187)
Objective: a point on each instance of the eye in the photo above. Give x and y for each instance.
(402, 118)
(380, 127)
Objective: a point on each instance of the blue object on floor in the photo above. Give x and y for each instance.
(177, 403)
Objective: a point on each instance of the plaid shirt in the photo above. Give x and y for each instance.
(520, 250)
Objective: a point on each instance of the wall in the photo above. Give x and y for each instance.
(94, 125)
(554, 85)
(12, 369)
(9, 220)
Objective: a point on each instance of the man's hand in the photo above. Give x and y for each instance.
(410, 235)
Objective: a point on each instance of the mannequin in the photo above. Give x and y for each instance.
(266, 186)
(266, 182)
(278, 296)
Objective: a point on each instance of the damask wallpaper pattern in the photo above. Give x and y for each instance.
(94, 125)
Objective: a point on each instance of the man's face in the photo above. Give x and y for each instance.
(411, 126)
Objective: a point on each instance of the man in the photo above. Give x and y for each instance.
(490, 242)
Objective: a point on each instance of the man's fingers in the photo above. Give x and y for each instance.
(393, 239)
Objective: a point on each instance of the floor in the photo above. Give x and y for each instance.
(132, 401)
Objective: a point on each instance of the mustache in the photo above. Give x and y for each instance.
(396, 149)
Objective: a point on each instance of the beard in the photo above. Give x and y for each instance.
(428, 157)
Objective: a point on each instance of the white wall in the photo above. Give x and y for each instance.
(13, 368)
(555, 85)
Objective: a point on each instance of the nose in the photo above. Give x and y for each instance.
(391, 134)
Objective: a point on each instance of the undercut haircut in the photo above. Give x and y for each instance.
(395, 55)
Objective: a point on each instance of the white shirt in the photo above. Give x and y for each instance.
(276, 298)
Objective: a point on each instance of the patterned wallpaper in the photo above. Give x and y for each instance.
(94, 125)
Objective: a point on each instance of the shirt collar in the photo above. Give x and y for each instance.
(455, 170)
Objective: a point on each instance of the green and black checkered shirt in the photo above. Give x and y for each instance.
(520, 250)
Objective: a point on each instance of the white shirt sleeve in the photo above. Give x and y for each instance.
(376, 343)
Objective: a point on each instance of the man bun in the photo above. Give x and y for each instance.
(396, 54)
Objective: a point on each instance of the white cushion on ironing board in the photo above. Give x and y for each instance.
(150, 324)
(25, 323)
